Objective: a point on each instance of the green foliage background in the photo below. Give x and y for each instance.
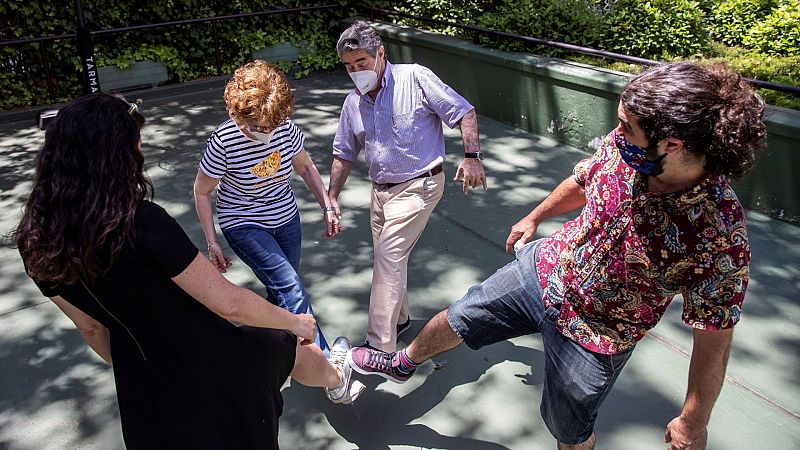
(186, 50)
(759, 38)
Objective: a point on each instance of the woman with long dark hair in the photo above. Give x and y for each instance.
(143, 296)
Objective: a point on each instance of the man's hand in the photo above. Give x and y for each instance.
(521, 231)
(681, 436)
(472, 171)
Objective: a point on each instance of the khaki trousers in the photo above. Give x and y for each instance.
(398, 216)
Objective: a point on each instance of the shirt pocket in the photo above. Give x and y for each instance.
(403, 130)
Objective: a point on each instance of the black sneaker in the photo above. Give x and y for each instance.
(375, 362)
(403, 327)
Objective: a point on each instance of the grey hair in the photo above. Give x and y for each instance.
(359, 36)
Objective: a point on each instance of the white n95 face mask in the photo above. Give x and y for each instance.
(365, 80)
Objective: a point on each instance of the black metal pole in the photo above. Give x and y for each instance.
(217, 59)
(91, 82)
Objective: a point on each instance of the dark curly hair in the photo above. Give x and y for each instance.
(89, 182)
(709, 107)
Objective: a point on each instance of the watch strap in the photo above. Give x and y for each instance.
(475, 155)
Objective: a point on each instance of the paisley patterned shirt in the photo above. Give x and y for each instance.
(615, 268)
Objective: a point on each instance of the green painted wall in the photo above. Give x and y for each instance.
(576, 104)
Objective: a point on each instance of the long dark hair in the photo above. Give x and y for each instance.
(89, 182)
(710, 108)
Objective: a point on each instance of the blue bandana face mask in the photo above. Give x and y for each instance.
(636, 157)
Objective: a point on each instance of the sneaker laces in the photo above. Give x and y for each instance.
(381, 361)
(337, 359)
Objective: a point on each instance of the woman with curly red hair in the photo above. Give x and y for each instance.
(249, 160)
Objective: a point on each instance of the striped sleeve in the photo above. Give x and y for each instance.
(214, 162)
(296, 138)
(448, 104)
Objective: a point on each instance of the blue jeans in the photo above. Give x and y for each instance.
(274, 256)
(509, 304)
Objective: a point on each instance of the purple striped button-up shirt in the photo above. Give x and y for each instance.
(401, 129)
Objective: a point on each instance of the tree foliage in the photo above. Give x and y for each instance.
(188, 50)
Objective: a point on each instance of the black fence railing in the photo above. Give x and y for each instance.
(795, 90)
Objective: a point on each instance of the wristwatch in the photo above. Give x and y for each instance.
(474, 155)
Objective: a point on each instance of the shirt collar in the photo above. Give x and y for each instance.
(387, 72)
(690, 196)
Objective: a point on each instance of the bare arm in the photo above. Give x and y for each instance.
(470, 168)
(94, 333)
(203, 282)
(305, 167)
(566, 197)
(469, 132)
(340, 169)
(710, 351)
(203, 187)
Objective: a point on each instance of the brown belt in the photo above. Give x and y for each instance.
(435, 171)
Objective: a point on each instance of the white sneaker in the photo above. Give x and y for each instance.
(345, 393)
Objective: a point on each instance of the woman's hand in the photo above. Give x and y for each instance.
(217, 257)
(305, 327)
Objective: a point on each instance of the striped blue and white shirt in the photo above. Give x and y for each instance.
(401, 129)
(246, 195)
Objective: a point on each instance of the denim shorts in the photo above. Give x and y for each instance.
(509, 304)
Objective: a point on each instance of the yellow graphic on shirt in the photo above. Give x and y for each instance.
(268, 166)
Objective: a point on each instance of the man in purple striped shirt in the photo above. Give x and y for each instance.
(396, 114)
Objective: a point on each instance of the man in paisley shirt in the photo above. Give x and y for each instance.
(658, 219)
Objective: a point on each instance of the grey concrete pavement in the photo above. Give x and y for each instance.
(55, 393)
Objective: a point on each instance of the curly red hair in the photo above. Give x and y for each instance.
(258, 93)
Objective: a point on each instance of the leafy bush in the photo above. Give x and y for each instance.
(186, 50)
(777, 69)
(779, 33)
(730, 20)
(656, 29)
(570, 21)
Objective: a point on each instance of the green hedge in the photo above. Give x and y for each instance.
(779, 33)
(186, 50)
(657, 29)
(572, 21)
(729, 21)
(766, 31)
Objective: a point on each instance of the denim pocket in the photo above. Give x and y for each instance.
(614, 363)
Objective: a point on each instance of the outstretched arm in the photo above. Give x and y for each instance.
(710, 352)
(566, 197)
(209, 287)
(305, 167)
(471, 168)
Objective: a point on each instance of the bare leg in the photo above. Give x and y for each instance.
(312, 369)
(585, 445)
(435, 337)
